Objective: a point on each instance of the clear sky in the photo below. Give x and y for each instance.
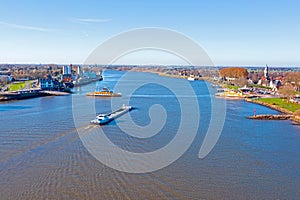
(232, 32)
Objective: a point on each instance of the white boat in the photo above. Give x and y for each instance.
(231, 94)
(191, 78)
(106, 118)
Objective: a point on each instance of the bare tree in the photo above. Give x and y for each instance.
(294, 79)
(287, 91)
(241, 82)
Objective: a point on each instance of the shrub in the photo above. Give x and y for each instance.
(297, 113)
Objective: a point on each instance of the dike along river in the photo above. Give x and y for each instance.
(42, 156)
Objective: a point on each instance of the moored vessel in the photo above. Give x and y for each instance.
(191, 78)
(231, 94)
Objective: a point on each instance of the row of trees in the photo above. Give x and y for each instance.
(239, 74)
(234, 72)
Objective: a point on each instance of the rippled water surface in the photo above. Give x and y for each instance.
(42, 156)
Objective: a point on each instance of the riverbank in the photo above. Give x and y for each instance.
(271, 117)
(273, 106)
(287, 109)
(27, 94)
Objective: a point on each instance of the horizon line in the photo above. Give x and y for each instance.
(153, 65)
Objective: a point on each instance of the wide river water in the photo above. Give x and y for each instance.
(43, 157)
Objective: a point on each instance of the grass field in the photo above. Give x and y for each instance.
(18, 86)
(281, 103)
(259, 86)
(232, 87)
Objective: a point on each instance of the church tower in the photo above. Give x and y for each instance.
(266, 72)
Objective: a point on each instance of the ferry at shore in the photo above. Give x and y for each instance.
(231, 94)
(106, 118)
(191, 78)
(87, 80)
(105, 92)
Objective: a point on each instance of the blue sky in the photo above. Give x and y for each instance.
(240, 32)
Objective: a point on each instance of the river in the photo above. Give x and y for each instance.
(43, 157)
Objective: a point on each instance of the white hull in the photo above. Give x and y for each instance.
(106, 118)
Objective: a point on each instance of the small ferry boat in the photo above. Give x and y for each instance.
(105, 92)
(231, 94)
(191, 78)
(106, 118)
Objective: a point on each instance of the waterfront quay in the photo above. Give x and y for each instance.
(271, 117)
(28, 93)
